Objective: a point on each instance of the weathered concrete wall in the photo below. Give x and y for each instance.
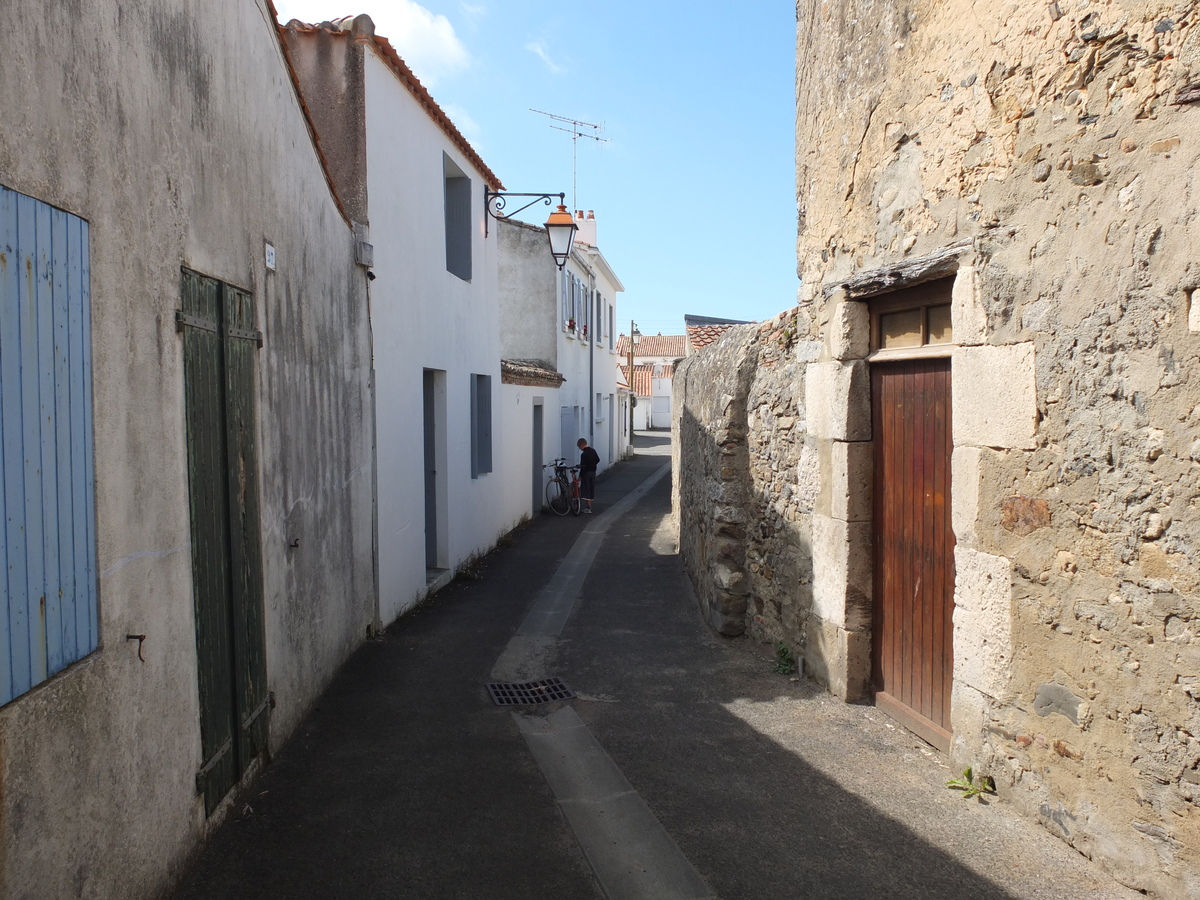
(529, 308)
(329, 67)
(1049, 142)
(173, 128)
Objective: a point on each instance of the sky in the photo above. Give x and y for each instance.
(694, 186)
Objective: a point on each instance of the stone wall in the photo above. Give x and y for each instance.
(1051, 148)
(747, 484)
(1043, 156)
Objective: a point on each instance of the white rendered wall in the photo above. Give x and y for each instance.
(576, 355)
(514, 414)
(424, 317)
(641, 414)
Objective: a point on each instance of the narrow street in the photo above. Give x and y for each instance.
(684, 768)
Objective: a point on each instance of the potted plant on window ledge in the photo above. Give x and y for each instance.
(571, 325)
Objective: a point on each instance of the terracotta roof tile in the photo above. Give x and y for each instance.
(703, 330)
(643, 375)
(700, 336)
(672, 346)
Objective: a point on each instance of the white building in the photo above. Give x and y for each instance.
(654, 358)
(408, 175)
(564, 320)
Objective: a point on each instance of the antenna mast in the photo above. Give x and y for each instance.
(576, 133)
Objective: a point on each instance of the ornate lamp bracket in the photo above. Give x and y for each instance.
(495, 203)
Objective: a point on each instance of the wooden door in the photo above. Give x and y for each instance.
(219, 346)
(913, 659)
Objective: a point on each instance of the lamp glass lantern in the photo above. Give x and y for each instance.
(561, 228)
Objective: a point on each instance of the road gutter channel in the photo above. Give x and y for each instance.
(629, 851)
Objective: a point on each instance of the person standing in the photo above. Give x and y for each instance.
(589, 460)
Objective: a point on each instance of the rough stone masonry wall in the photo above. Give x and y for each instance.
(747, 484)
(1056, 144)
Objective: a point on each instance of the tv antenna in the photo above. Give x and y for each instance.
(576, 131)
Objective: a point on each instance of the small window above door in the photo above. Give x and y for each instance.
(913, 322)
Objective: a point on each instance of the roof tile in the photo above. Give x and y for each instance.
(672, 346)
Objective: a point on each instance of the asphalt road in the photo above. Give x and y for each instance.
(684, 768)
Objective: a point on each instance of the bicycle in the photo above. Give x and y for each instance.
(562, 494)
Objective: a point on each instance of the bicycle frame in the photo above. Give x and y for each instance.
(562, 493)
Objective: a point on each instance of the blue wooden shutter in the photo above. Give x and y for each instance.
(48, 609)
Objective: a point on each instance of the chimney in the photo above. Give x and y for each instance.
(587, 228)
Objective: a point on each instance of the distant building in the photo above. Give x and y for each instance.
(563, 321)
(654, 358)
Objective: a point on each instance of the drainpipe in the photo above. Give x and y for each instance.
(592, 359)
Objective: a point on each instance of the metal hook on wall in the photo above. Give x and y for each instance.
(141, 639)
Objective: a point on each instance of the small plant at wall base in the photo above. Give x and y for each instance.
(785, 663)
(972, 786)
(471, 569)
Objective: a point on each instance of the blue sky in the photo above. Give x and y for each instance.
(696, 100)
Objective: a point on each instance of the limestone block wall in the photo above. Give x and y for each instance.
(1051, 150)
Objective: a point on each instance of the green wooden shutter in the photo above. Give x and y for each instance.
(241, 342)
(217, 322)
(205, 401)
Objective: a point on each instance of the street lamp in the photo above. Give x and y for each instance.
(560, 227)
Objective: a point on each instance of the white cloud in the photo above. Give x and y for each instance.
(537, 48)
(427, 41)
(474, 12)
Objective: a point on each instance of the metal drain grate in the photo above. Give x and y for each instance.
(510, 693)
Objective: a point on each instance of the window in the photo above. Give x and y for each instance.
(481, 425)
(912, 318)
(458, 219)
(611, 327)
(48, 611)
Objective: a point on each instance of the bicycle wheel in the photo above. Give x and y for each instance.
(576, 503)
(556, 497)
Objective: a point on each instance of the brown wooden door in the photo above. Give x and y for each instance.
(913, 659)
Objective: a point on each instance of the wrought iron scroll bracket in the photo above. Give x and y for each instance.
(496, 202)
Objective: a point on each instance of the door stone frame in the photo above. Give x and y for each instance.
(838, 408)
(994, 398)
